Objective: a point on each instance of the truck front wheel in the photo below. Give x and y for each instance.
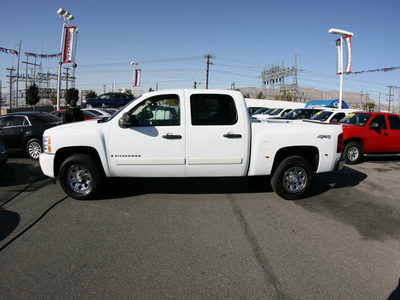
(352, 153)
(80, 177)
(292, 179)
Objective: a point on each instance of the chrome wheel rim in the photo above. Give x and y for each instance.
(79, 179)
(294, 179)
(353, 154)
(34, 150)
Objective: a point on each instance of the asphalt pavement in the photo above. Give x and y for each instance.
(211, 238)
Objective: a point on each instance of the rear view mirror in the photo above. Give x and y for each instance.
(374, 125)
(127, 120)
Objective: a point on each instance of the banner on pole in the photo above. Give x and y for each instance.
(70, 44)
(137, 77)
(347, 55)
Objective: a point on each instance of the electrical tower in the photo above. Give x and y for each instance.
(276, 75)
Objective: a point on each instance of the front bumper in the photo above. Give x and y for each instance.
(46, 162)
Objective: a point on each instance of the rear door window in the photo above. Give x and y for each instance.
(211, 109)
(394, 122)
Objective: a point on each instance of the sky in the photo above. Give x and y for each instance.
(169, 41)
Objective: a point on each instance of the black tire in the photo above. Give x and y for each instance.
(352, 153)
(80, 177)
(292, 179)
(33, 148)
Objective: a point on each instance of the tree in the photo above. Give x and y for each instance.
(72, 94)
(369, 106)
(285, 97)
(91, 94)
(53, 98)
(260, 95)
(32, 95)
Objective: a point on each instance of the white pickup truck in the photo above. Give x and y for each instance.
(189, 133)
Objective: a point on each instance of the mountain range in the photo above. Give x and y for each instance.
(353, 99)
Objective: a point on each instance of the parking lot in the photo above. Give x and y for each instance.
(221, 238)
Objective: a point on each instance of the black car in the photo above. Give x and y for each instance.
(3, 154)
(23, 131)
(113, 100)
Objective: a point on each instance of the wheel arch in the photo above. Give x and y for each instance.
(64, 153)
(357, 140)
(309, 153)
(30, 136)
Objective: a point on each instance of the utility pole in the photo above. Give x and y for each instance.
(11, 76)
(208, 56)
(1, 94)
(19, 55)
(390, 94)
(361, 99)
(366, 100)
(379, 103)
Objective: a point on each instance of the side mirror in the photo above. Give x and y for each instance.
(127, 120)
(374, 125)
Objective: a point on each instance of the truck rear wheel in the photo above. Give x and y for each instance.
(80, 177)
(292, 179)
(352, 153)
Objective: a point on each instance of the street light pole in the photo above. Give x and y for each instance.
(134, 65)
(67, 18)
(342, 34)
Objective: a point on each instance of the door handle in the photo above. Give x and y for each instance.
(170, 136)
(231, 135)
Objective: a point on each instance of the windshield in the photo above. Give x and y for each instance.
(322, 115)
(47, 118)
(269, 111)
(359, 119)
(259, 111)
(276, 112)
(301, 113)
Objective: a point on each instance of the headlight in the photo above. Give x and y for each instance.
(46, 144)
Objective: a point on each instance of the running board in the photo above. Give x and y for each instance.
(381, 154)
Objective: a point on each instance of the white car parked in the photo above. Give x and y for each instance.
(331, 115)
(277, 112)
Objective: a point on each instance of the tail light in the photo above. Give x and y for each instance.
(340, 143)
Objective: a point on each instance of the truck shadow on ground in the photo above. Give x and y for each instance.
(125, 187)
(128, 187)
(345, 178)
(20, 171)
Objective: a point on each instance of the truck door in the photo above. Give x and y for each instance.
(154, 145)
(394, 123)
(377, 139)
(217, 140)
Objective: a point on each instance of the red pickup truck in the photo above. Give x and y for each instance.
(370, 134)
